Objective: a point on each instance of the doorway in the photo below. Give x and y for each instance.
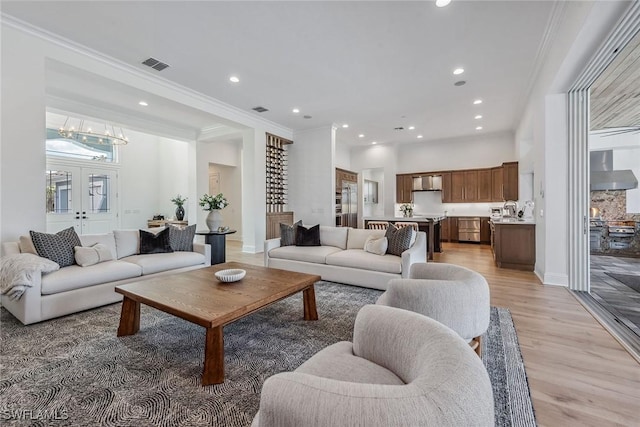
(82, 197)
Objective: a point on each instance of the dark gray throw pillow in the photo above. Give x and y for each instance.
(288, 233)
(181, 239)
(155, 243)
(399, 239)
(308, 236)
(57, 247)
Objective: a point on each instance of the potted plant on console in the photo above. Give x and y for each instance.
(179, 201)
(213, 204)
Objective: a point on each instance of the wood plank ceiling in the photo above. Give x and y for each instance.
(615, 95)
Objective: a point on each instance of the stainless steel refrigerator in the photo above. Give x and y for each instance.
(349, 204)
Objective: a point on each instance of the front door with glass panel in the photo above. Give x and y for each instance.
(81, 197)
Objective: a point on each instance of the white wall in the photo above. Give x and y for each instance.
(477, 151)
(343, 156)
(25, 53)
(581, 29)
(224, 157)
(383, 157)
(22, 136)
(312, 176)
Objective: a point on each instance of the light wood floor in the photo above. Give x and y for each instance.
(579, 375)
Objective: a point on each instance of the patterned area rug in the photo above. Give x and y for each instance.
(75, 371)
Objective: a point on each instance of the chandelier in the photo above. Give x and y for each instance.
(82, 133)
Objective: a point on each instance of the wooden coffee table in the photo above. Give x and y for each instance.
(198, 297)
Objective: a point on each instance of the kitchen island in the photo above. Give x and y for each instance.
(513, 242)
(429, 223)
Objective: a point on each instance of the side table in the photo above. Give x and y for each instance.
(217, 240)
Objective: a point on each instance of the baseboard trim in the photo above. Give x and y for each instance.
(249, 249)
(556, 279)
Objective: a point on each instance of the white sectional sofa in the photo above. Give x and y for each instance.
(341, 257)
(74, 288)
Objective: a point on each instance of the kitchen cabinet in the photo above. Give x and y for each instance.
(343, 175)
(457, 187)
(464, 186)
(444, 230)
(497, 184)
(485, 231)
(510, 177)
(404, 188)
(514, 245)
(484, 186)
(449, 229)
(446, 187)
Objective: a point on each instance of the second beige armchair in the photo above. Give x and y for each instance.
(454, 296)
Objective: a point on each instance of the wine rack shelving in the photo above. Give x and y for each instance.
(276, 173)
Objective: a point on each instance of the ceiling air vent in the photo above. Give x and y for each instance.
(398, 128)
(155, 64)
(259, 109)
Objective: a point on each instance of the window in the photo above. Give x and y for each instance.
(91, 149)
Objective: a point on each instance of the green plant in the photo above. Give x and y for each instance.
(178, 200)
(210, 203)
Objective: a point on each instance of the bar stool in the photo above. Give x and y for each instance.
(414, 225)
(378, 225)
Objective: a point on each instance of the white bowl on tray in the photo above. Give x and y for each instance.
(230, 275)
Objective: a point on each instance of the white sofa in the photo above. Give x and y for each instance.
(75, 288)
(341, 257)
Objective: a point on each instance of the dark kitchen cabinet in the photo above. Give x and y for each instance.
(453, 229)
(485, 231)
(446, 187)
(485, 188)
(514, 246)
(457, 187)
(510, 177)
(404, 188)
(497, 184)
(444, 230)
(464, 186)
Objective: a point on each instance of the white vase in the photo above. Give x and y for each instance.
(214, 220)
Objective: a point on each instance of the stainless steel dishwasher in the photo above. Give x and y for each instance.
(469, 229)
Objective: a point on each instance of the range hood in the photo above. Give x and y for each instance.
(427, 183)
(603, 177)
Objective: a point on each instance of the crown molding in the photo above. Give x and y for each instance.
(222, 109)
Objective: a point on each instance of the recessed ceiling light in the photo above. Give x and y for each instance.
(143, 103)
(479, 116)
(234, 79)
(477, 101)
(479, 128)
(373, 143)
(412, 127)
(419, 136)
(361, 135)
(442, 3)
(458, 71)
(296, 110)
(345, 125)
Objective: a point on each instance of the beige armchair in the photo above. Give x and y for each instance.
(454, 296)
(402, 369)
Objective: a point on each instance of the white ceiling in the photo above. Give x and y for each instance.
(374, 65)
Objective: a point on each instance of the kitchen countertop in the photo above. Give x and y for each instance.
(513, 221)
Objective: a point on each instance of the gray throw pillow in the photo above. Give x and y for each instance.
(288, 233)
(181, 239)
(57, 247)
(399, 239)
